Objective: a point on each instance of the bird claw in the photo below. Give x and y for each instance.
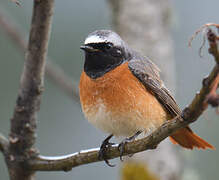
(121, 146)
(102, 153)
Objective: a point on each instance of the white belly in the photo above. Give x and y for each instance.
(118, 124)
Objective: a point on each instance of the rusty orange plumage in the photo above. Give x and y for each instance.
(129, 106)
(124, 99)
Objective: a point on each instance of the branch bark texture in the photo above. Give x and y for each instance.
(190, 114)
(24, 121)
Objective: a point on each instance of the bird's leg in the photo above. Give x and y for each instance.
(128, 139)
(105, 144)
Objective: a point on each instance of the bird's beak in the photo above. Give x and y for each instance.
(88, 48)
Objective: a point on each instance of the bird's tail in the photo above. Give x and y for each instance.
(186, 138)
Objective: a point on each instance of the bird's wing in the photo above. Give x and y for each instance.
(148, 74)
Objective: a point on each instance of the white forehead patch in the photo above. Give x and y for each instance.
(94, 39)
(104, 37)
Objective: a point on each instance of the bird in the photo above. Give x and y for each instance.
(122, 94)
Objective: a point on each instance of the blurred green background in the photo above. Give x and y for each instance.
(61, 126)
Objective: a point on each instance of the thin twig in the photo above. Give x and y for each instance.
(24, 122)
(12, 30)
(205, 28)
(53, 71)
(202, 28)
(16, 2)
(3, 143)
(190, 115)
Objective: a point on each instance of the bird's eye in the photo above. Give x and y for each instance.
(108, 46)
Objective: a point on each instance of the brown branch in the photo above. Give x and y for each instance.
(23, 123)
(190, 114)
(3, 143)
(53, 71)
(213, 97)
(212, 39)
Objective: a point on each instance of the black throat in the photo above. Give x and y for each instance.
(98, 64)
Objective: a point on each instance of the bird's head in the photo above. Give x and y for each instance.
(104, 51)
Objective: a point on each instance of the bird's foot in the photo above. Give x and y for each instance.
(102, 153)
(121, 146)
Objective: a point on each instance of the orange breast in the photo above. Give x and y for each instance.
(119, 104)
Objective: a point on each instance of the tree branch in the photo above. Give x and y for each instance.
(53, 71)
(3, 143)
(23, 123)
(213, 50)
(190, 114)
(213, 97)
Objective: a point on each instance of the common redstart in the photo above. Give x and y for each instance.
(122, 94)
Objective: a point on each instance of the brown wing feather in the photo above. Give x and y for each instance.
(148, 73)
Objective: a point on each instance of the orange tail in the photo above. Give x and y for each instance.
(188, 139)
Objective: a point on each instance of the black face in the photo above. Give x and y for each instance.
(100, 58)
